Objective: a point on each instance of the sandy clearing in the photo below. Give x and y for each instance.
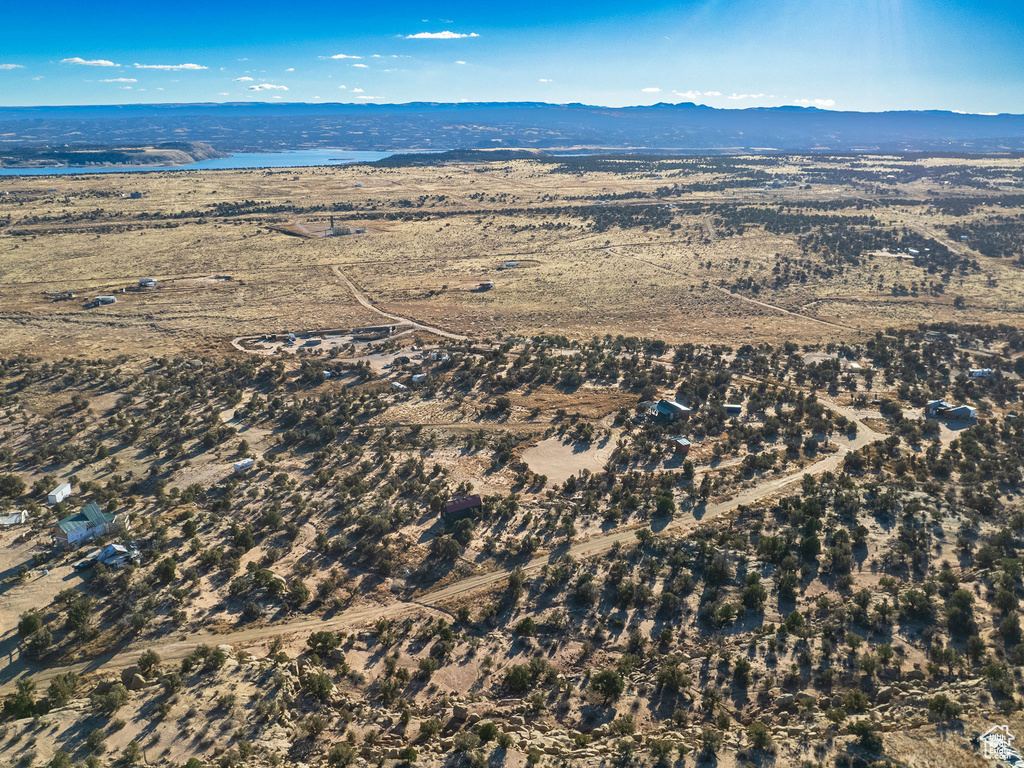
(558, 459)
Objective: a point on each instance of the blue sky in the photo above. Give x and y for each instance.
(835, 54)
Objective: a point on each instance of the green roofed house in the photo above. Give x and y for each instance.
(90, 523)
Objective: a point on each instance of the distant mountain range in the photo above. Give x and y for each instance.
(240, 127)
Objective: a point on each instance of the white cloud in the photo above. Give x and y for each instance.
(362, 66)
(268, 87)
(712, 93)
(11, 66)
(368, 98)
(126, 87)
(357, 90)
(243, 79)
(290, 69)
(687, 94)
(545, 80)
(343, 87)
(89, 62)
(460, 61)
(170, 67)
(120, 80)
(219, 94)
(446, 35)
(815, 102)
(651, 90)
(344, 56)
(747, 96)
(39, 77)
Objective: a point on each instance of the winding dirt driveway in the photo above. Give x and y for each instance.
(365, 302)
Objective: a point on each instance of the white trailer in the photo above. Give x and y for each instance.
(58, 494)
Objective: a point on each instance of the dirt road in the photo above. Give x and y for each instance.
(784, 311)
(365, 302)
(12, 668)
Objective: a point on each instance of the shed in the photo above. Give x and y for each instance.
(460, 507)
(733, 409)
(20, 517)
(979, 373)
(58, 494)
(680, 445)
(672, 410)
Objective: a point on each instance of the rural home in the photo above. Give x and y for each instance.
(672, 410)
(83, 526)
(460, 507)
(940, 409)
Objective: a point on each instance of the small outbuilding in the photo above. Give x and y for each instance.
(681, 446)
(979, 373)
(58, 494)
(18, 517)
(147, 282)
(244, 465)
(733, 409)
(461, 507)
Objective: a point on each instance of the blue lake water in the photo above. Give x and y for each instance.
(294, 158)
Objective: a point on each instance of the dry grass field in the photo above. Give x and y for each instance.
(433, 234)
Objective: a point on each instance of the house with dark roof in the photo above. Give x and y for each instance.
(673, 411)
(937, 408)
(88, 524)
(940, 409)
(461, 507)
